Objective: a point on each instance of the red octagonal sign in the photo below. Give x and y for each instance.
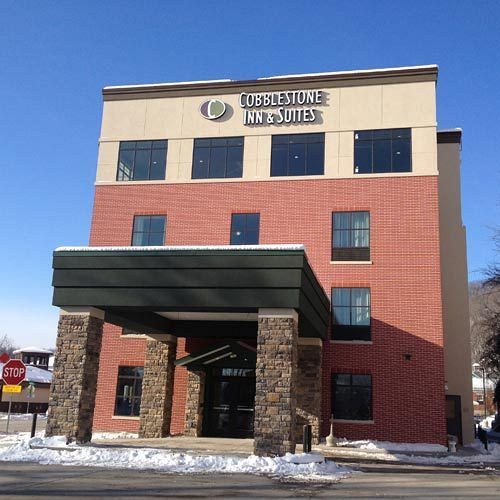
(14, 372)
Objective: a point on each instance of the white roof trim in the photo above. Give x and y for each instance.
(182, 248)
(298, 75)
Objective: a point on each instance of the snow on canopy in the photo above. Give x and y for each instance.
(32, 349)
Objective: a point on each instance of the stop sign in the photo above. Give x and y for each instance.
(14, 372)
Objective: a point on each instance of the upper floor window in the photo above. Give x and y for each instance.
(149, 230)
(218, 158)
(351, 314)
(298, 154)
(351, 236)
(352, 396)
(245, 229)
(129, 391)
(142, 160)
(380, 151)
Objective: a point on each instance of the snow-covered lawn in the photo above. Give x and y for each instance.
(21, 416)
(300, 467)
(367, 444)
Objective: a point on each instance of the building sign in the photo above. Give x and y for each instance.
(290, 106)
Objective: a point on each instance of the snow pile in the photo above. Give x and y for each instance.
(113, 435)
(21, 416)
(169, 462)
(367, 444)
(487, 422)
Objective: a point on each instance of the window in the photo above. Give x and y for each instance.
(128, 391)
(298, 154)
(218, 158)
(351, 236)
(142, 161)
(351, 313)
(379, 151)
(352, 396)
(149, 230)
(245, 229)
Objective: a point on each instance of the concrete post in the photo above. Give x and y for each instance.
(74, 379)
(276, 372)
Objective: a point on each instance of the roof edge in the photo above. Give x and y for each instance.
(449, 136)
(408, 71)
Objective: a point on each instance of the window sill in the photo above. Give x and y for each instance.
(124, 417)
(344, 421)
(356, 262)
(360, 342)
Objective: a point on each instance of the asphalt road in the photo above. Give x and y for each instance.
(23, 481)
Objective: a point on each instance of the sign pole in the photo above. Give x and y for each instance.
(8, 414)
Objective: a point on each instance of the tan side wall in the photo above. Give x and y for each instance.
(343, 110)
(457, 357)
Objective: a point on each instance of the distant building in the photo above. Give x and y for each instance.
(34, 396)
(482, 389)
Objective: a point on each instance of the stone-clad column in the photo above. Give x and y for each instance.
(194, 403)
(157, 389)
(276, 372)
(309, 387)
(74, 379)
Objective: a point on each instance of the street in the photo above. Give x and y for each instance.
(26, 480)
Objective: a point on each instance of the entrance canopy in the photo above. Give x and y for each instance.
(191, 291)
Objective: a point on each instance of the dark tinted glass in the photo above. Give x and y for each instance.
(297, 154)
(142, 160)
(149, 230)
(245, 229)
(382, 151)
(218, 158)
(352, 397)
(129, 391)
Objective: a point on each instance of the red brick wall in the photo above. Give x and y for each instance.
(408, 395)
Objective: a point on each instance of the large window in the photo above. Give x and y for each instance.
(128, 391)
(245, 229)
(351, 236)
(298, 154)
(149, 230)
(351, 313)
(352, 396)
(218, 158)
(379, 151)
(142, 161)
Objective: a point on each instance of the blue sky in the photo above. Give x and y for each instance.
(56, 56)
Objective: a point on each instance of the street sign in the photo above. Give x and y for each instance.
(14, 372)
(4, 357)
(11, 388)
(30, 391)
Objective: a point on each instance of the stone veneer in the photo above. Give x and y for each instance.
(276, 372)
(194, 403)
(157, 389)
(74, 382)
(309, 387)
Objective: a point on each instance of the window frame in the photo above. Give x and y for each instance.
(280, 137)
(149, 233)
(351, 253)
(379, 140)
(351, 417)
(122, 147)
(135, 399)
(209, 148)
(351, 332)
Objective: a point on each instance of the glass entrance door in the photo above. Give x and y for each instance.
(229, 403)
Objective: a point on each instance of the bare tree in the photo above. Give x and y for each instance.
(7, 345)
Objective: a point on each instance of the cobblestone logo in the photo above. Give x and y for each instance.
(212, 109)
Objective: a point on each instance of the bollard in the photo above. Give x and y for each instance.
(33, 425)
(307, 439)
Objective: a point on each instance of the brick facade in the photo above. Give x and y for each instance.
(404, 279)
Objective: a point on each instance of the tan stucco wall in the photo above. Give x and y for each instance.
(457, 356)
(343, 110)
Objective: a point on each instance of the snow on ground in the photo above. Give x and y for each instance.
(114, 435)
(367, 444)
(286, 468)
(21, 416)
(487, 422)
